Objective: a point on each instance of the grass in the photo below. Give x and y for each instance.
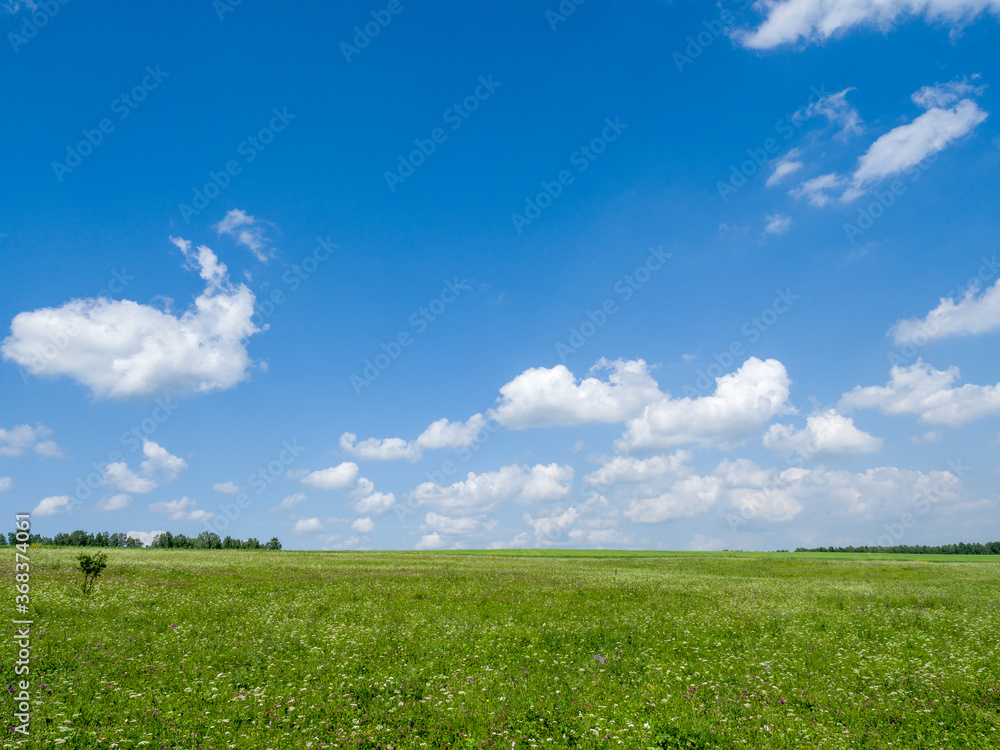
(197, 649)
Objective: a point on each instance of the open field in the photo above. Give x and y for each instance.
(198, 649)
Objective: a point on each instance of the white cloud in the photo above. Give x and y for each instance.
(481, 493)
(181, 510)
(945, 94)
(18, 439)
(376, 503)
(908, 145)
(247, 231)
(544, 397)
(743, 402)
(370, 502)
(6, 484)
(434, 523)
(439, 434)
(786, 165)
(291, 501)
(826, 433)
(115, 502)
(430, 541)
(703, 543)
(974, 313)
(836, 109)
(777, 224)
(931, 436)
(816, 190)
(363, 526)
(814, 21)
(307, 526)
(158, 469)
(121, 349)
(928, 393)
(227, 488)
(53, 506)
(146, 537)
(344, 476)
(752, 492)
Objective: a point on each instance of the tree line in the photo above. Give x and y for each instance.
(165, 540)
(962, 548)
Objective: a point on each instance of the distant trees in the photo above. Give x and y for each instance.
(166, 540)
(962, 548)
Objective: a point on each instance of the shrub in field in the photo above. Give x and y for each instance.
(91, 566)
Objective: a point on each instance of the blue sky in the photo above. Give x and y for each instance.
(643, 275)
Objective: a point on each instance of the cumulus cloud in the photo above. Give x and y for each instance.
(247, 231)
(974, 313)
(438, 524)
(159, 468)
(114, 502)
(827, 433)
(227, 488)
(53, 506)
(928, 393)
(786, 165)
(545, 397)
(817, 190)
(146, 537)
(814, 21)
(21, 438)
(363, 526)
(344, 476)
(181, 510)
(777, 224)
(430, 541)
(838, 111)
(307, 526)
(743, 402)
(908, 145)
(672, 489)
(703, 543)
(6, 484)
(439, 434)
(482, 493)
(121, 349)
(291, 501)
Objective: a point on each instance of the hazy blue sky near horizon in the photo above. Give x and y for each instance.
(409, 275)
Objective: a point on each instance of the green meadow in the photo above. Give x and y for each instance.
(246, 649)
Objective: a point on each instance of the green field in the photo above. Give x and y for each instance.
(199, 649)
